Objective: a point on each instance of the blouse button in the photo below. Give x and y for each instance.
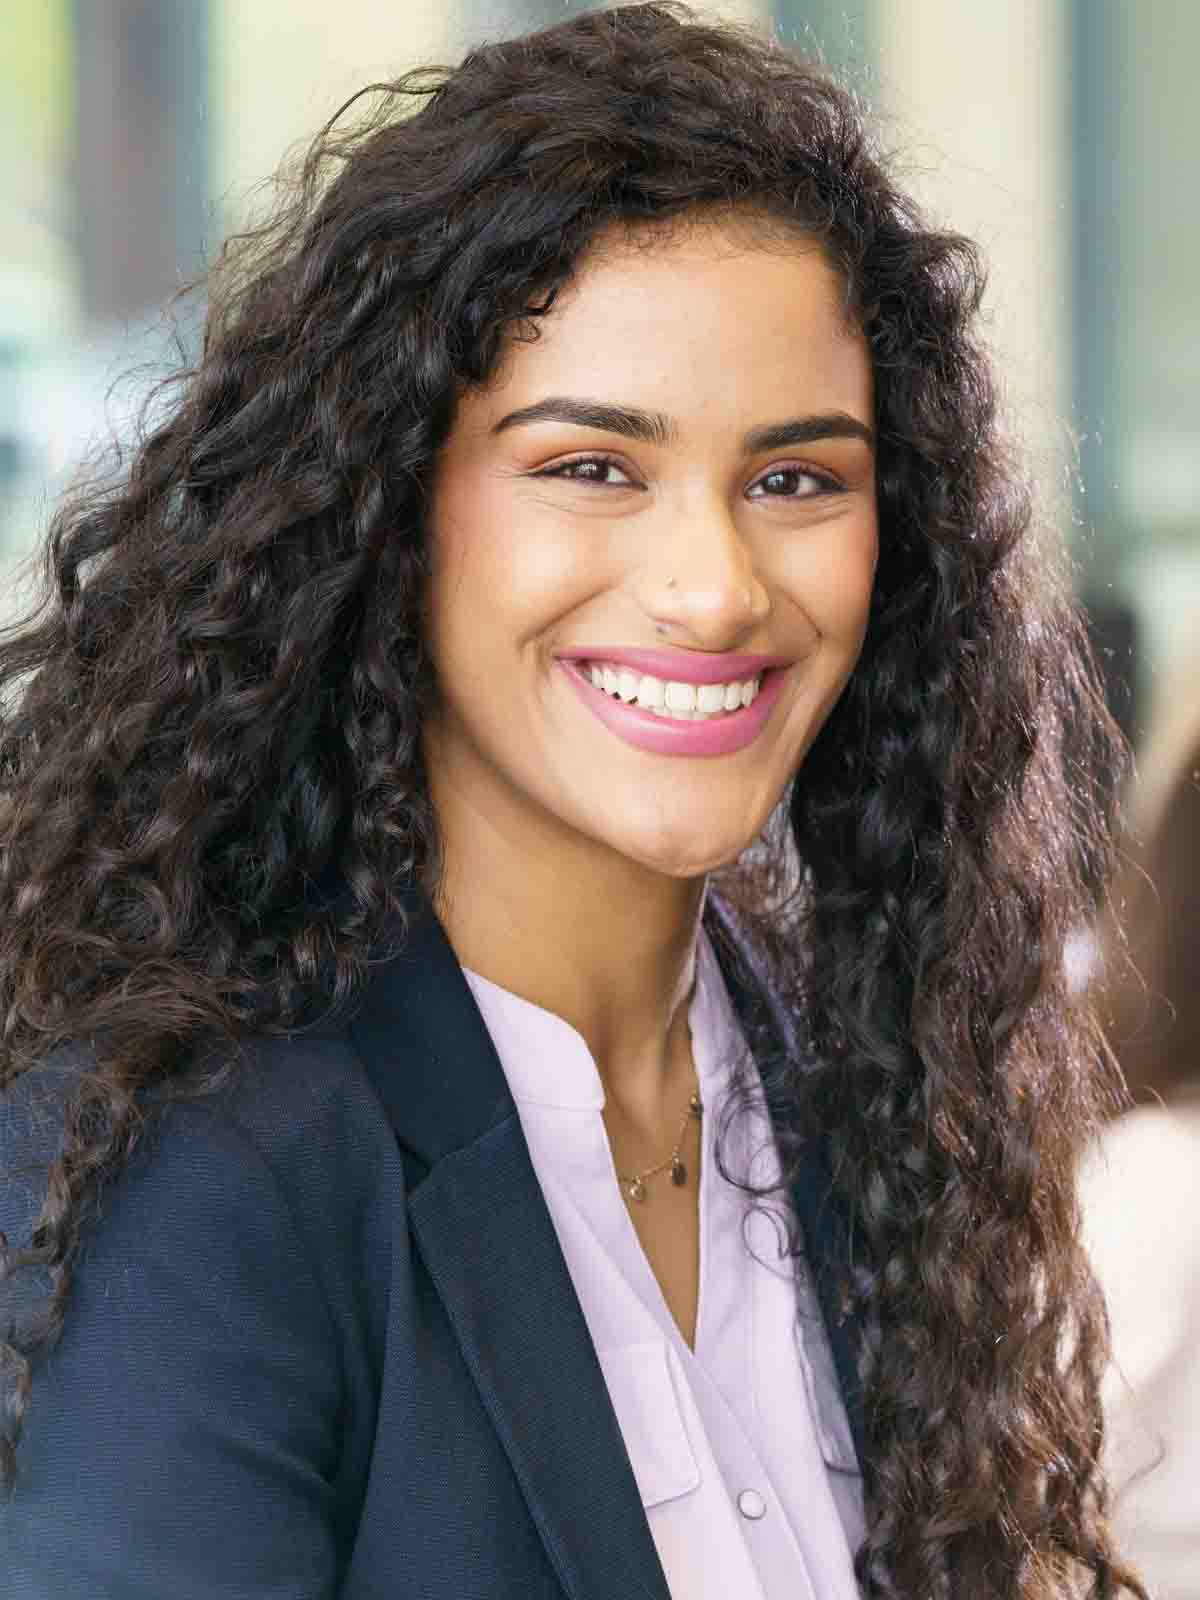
(752, 1505)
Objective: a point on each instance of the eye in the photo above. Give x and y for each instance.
(602, 470)
(794, 483)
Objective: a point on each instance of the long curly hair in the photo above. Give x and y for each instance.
(217, 710)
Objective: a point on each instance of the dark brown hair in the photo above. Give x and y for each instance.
(220, 706)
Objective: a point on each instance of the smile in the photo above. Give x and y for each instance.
(685, 702)
(678, 729)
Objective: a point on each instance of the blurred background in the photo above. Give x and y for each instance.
(1061, 134)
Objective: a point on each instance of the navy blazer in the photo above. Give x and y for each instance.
(322, 1340)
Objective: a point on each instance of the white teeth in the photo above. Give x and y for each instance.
(684, 701)
(681, 697)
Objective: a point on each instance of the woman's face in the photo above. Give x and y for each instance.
(682, 462)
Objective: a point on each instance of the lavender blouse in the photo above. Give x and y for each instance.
(740, 1447)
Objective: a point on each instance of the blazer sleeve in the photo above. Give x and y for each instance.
(182, 1437)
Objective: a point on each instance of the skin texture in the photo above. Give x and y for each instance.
(595, 853)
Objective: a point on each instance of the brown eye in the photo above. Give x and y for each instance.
(602, 470)
(793, 483)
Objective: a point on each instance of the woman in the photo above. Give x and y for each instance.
(480, 1135)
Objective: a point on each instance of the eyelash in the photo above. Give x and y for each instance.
(827, 483)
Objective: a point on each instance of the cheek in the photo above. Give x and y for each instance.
(859, 582)
(833, 579)
(472, 553)
(457, 556)
(496, 544)
(502, 569)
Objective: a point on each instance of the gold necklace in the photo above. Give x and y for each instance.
(635, 1187)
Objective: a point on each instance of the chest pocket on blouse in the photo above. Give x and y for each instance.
(641, 1385)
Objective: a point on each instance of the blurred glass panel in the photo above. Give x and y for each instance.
(140, 151)
(987, 152)
(38, 278)
(1137, 322)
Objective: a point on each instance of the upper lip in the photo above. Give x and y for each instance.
(681, 666)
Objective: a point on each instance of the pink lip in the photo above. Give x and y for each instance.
(665, 736)
(683, 666)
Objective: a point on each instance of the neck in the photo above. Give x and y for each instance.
(608, 945)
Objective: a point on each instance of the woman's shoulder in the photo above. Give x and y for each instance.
(294, 1134)
(303, 1101)
(228, 1319)
(288, 1094)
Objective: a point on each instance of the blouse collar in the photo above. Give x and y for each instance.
(547, 1062)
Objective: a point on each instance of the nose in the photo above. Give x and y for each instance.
(703, 582)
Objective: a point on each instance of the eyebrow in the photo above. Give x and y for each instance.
(653, 427)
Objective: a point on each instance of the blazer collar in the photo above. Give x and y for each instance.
(482, 1227)
(425, 1045)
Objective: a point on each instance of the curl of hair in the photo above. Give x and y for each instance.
(216, 713)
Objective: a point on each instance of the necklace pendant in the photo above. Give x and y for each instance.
(695, 1106)
(678, 1173)
(635, 1189)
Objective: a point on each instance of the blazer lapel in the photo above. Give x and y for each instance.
(525, 1340)
(482, 1228)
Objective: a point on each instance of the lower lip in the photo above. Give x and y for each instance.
(668, 736)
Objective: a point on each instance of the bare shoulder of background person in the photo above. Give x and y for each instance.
(1140, 1185)
(1141, 1195)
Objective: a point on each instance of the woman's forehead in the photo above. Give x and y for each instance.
(705, 314)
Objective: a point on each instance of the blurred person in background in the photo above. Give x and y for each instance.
(539, 832)
(1141, 1182)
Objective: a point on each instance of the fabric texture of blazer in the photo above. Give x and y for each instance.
(322, 1341)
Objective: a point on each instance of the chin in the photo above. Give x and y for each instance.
(677, 840)
(687, 862)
